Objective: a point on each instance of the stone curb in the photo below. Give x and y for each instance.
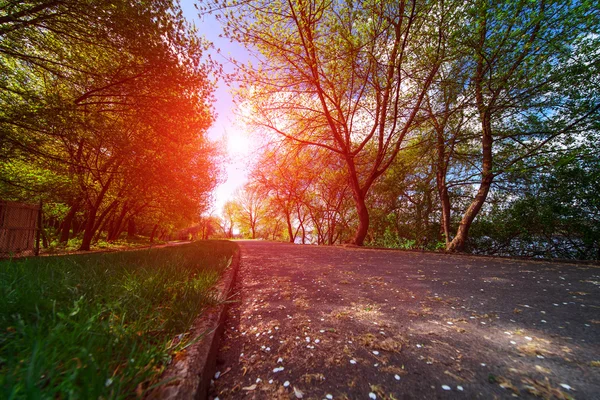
(190, 373)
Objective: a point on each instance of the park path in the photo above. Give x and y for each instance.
(336, 322)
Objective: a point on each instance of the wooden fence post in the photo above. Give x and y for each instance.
(39, 230)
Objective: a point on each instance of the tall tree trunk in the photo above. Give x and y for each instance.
(459, 241)
(359, 194)
(442, 187)
(91, 224)
(67, 222)
(131, 230)
(290, 229)
(363, 220)
(88, 233)
(253, 228)
(116, 228)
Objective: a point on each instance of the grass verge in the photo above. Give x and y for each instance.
(73, 245)
(101, 325)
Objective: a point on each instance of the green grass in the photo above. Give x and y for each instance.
(101, 325)
(73, 244)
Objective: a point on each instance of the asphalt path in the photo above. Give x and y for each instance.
(336, 322)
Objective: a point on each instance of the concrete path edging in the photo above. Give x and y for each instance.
(189, 375)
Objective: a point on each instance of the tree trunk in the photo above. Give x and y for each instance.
(363, 220)
(290, 229)
(359, 195)
(116, 228)
(440, 177)
(88, 233)
(99, 231)
(67, 222)
(131, 230)
(485, 110)
(459, 241)
(153, 233)
(92, 223)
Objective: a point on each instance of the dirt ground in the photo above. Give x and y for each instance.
(346, 323)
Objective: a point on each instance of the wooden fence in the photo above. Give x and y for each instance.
(20, 225)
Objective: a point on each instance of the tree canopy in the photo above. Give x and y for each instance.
(438, 115)
(104, 108)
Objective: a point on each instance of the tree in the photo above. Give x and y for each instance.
(105, 105)
(348, 78)
(250, 208)
(520, 52)
(284, 177)
(228, 219)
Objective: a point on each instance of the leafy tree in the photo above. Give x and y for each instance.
(346, 77)
(104, 109)
(249, 209)
(520, 52)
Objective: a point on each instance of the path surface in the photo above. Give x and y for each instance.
(354, 323)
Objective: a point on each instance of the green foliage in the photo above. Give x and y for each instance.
(440, 115)
(556, 217)
(104, 108)
(100, 325)
(391, 240)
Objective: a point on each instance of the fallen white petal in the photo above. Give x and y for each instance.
(298, 393)
(397, 377)
(372, 396)
(352, 361)
(565, 386)
(286, 383)
(446, 387)
(460, 388)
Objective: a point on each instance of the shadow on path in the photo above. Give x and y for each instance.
(351, 323)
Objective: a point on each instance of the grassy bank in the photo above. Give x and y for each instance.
(101, 325)
(73, 245)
